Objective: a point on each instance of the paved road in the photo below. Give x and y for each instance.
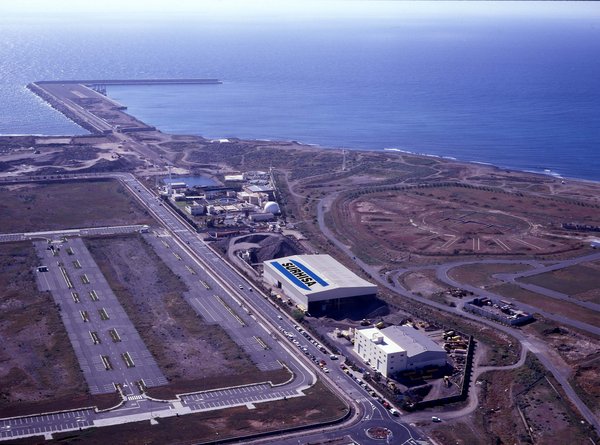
(57, 234)
(264, 314)
(537, 347)
(91, 312)
(442, 274)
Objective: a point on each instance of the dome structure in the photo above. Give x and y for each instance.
(271, 207)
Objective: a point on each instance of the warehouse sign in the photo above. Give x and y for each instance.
(299, 274)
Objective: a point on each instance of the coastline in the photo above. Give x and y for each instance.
(69, 105)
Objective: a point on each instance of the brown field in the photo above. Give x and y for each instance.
(580, 351)
(581, 282)
(39, 371)
(549, 419)
(450, 220)
(192, 354)
(66, 205)
(482, 274)
(319, 405)
(549, 304)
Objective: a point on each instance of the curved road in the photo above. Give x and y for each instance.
(535, 346)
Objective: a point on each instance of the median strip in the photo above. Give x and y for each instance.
(106, 362)
(103, 314)
(231, 311)
(114, 335)
(128, 360)
(66, 277)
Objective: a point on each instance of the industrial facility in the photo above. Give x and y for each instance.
(317, 283)
(397, 348)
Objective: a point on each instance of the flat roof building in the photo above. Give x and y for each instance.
(397, 348)
(316, 282)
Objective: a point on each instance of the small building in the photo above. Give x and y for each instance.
(260, 217)
(266, 189)
(178, 185)
(195, 209)
(253, 198)
(397, 348)
(234, 178)
(317, 282)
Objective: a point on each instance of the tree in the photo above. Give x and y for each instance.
(297, 315)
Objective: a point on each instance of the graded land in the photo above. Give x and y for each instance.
(316, 407)
(65, 205)
(38, 367)
(194, 355)
(395, 212)
(530, 409)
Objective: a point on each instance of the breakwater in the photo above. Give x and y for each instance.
(82, 101)
(134, 82)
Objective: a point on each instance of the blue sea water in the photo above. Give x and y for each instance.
(520, 91)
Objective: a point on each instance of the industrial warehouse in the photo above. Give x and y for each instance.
(397, 348)
(317, 283)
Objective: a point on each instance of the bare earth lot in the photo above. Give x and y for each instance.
(442, 220)
(549, 304)
(526, 410)
(581, 281)
(66, 205)
(318, 405)
(193, 354)
(38, 368)
(482, 274)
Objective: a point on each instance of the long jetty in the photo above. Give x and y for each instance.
(134, 82)
(85, 102)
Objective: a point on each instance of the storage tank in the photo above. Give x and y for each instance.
(271, 207)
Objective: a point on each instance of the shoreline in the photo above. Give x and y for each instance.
(545, 173)
(91, 119)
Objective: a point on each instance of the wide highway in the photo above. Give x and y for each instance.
(298, 356)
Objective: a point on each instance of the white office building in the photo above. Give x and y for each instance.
(397, 348)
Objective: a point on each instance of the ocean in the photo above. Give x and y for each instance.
(520, 91)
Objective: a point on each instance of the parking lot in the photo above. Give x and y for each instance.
(216, 305)
(108, 347)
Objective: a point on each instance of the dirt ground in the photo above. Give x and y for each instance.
(39, 371)
(527, 410)
(317, 406)
(65, 205)
(192, 354)
(442, 220)
(580, 351)
(482, 274)
(549, 304)
(581, 282)
(422, 282)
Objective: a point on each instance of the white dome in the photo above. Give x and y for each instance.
(271, 207)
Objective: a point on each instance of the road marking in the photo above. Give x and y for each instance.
(502, 245)
(526, 243)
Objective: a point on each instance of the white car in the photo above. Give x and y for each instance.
(435, 419)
